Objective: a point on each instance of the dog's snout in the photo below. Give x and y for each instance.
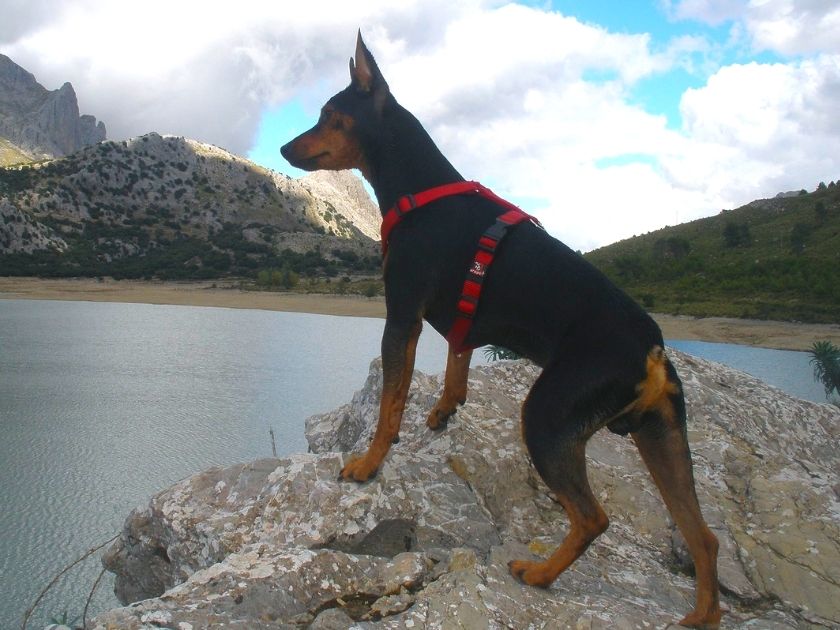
(285, 150)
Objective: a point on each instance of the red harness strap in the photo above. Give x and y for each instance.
(487, 244)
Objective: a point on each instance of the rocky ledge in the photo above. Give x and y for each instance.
(280, 543)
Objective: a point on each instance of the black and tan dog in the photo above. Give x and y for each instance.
(602, 355)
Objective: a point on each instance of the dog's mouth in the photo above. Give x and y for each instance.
(309, 163)
(316, 157)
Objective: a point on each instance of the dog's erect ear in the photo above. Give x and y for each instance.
(365, 75)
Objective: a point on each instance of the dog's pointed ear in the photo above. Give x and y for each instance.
(365, 75)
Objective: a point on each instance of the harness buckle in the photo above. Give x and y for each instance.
(489, 241)
(488, 245)
(496, 232)
(467, 306)
(410, 203)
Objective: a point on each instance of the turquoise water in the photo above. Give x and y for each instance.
(101, 405)
(789, 371)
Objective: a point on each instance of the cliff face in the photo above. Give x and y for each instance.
(281, 542)
(40, 122)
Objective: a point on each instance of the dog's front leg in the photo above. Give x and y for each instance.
(399, 345)
(454, 389)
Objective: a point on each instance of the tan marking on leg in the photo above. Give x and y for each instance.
(391, 407)
(583, 531)
(587, 521)
(666, 454)
(454, 389)
(655, 389)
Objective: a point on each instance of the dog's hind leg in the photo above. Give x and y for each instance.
(399, 345)
(454, 389)
(556, 424)
(662, 442)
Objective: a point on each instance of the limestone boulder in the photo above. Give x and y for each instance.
(425, 544)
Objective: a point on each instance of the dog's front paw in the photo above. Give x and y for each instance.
(438, 418)
(439, 415)
(530, 573)
(358, 469)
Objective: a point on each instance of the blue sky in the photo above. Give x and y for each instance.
(605, 119)
(659, 94)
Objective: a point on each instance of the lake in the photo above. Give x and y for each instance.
(101, 405)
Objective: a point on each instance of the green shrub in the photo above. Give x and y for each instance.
(825, 359)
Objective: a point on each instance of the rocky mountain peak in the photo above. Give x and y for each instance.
(15, 80)
(40, 122)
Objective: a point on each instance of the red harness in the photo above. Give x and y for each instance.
(487, 244)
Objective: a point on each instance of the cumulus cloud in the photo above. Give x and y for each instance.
(794, 27)
(789, 27)
(205, 69)
(712, 12)
(772, 124)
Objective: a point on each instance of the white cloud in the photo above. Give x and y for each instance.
(794, 27)
(773, 125)
(712, 12)
(788, 27)
(204, 69)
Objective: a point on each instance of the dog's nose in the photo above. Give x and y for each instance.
(284, 150)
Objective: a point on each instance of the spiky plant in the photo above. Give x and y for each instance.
(825, 359)
(496, 353)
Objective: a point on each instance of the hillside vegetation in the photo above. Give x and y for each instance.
(174, 208)
(770, 259)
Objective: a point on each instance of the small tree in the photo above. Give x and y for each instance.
(820, 211)
(671, 247)
(825, 359)
(798, 235)
(288, 278)
(736, 234)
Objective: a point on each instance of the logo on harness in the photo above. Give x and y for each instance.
(478, 269)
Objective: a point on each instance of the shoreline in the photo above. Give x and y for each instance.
(225, 294)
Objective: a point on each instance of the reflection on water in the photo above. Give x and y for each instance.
(789, 371)
(101, 405)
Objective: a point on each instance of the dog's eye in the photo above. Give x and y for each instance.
(326, 114)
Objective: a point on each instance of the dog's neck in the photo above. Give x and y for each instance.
(406, 160)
